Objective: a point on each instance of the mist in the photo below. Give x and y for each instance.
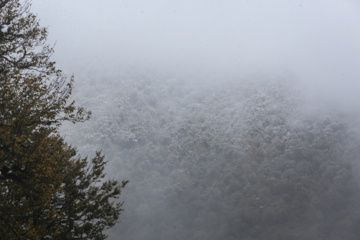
(231, 119)
(318, 39)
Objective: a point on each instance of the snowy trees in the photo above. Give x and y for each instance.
(241, 160)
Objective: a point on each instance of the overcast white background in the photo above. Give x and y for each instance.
(316, 41)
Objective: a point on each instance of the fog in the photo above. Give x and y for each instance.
(199, 103)
(317, 39)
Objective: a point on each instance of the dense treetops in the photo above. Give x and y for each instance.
(46, 190)
(236, 160)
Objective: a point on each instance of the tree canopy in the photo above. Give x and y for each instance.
(47, 191)
(242, 159)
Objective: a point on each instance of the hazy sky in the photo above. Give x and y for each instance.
(316, 40)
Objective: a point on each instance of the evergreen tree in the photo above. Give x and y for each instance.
(46, 191)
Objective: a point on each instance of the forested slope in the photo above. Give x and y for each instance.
(231, 160)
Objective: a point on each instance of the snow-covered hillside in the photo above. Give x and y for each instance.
(235, 159)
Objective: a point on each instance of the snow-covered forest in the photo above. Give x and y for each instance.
(231, 119)
(240, 159)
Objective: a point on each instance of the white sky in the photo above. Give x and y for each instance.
(317, 40)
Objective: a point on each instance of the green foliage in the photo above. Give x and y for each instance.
(86, 200)
(46, 192)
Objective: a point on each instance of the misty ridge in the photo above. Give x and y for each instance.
(232, 120)
(237, 159)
